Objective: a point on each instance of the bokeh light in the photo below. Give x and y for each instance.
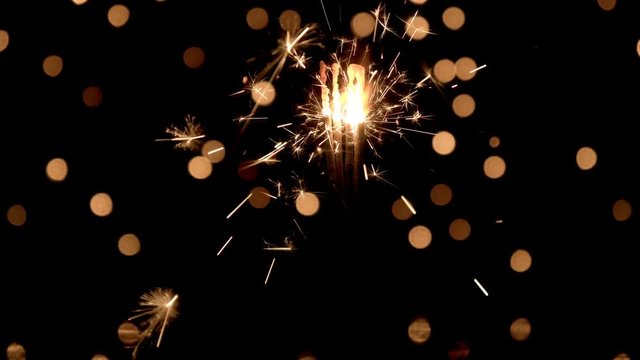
(459, 351)
(307, 203)
(622, 356)
(16, 351)
(441, 194)
(214, 151)
(494, 141)
(419, 330)
(418, 2)
(621, 210)
(401, 210)
(129, 244)
(92, 96)
(260, 197)
(464, 105)
(290, 21)
(465, 67)
(200, 167)
(444, 70)
(17, 215)
(101, 204)
(4, 40)
(57, 169)
(520, 260)
(453, 18)
(128, 333)
(443, 143)
(118, 15)
(99, 357)
(494, 167)
(79, 2)
(247, 171)
(52, 65)
(416, 27)
(307, 356)
(263, 93)
(193, 57)
(638, 47)
(363, 24)
(257, 18)
(586, 158)
(459, 229)
(607, 5)
(420, 237)
(520, 329)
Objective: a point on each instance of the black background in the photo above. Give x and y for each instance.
(558, 77)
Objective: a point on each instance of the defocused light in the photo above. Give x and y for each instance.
(257, 18)
(307, 203)
(637, 47)
(118, 15)
(443, 143)
(444, 70)
(419, 2)
(420, 237)
(520, 260)
(213, 150)
(441, 194)
(200, 167)
(494, 142)
(260, 197)
(586, 158)
(419, 330)
(101, 204)
(622, 356)
(17, 215)
(79, 2)
(263, 93)
(494, 167)
(453, 18)
(417, 28)
(363, 24)
(129, 244)
(57, 169)
(460, 229)
(99, 357)
(247, 171)
(193, 57)
(128, 333)
(621, 210)
(92, 96)
(16, 351)
(4, 40)
(464, 105)
(607, 5)
(465, 67)
(52, 65)
(400, 210)
(290, 21)
(306, 356)
(459, 351)
(520, 329)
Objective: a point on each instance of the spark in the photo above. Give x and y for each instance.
(499, 221)
(224, 246)
(478, 68)
(187, 138)
(406, 202)
(239, 205)
(417, 131)
(454, 86)
(269, 272)
(481, 287)
(299, 229)
(366, 175)
(215, 150)
(159, 307)
(326, 17)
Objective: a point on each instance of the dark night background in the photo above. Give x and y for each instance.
(559, 76)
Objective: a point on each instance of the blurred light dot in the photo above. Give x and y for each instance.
(307, 203)
(247, 171)
(520, 260)
(494, 142)
(52, 65)
(441, 194)
(419, 330)
(16, 351)
(419, 2)
(460, 229)
(57, 169)
(128, 333)
(459, 351)
(420, 237)
(99, 357)
(586, 158)
(400, 210)
(259, 197)
(193, 57)
(101, 204)
(290, 21)
(118, 15)
(129, 245)
(213, 150)
(637, 47)
(607, 5)
(465, 67)
(79, 2)
(17, 215)
(622, 356)
(444, 70)
(464, 105)
(417, 27)
(307, 356)
(453, 18)
(200, 167)
(520, 329)
(494, 167)
(362, 24)
(621, 210)
(443, 143)
(4, 40)
(92, 96)
(257, 18)
(263, 93)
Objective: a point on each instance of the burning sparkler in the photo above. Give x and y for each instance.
(158, 308)
(187, 138)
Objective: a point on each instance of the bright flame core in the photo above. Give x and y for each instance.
(345, 105)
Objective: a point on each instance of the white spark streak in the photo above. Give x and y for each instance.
(239, 205)
(406, 202)
(478, 68)
(481, 287)
(269, 272)
(224, 246)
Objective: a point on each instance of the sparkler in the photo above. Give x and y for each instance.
(187, 138)
(158, 307)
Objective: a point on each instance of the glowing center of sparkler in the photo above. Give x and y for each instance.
(346, 105)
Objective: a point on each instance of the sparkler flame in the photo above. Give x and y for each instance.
(159, 307)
